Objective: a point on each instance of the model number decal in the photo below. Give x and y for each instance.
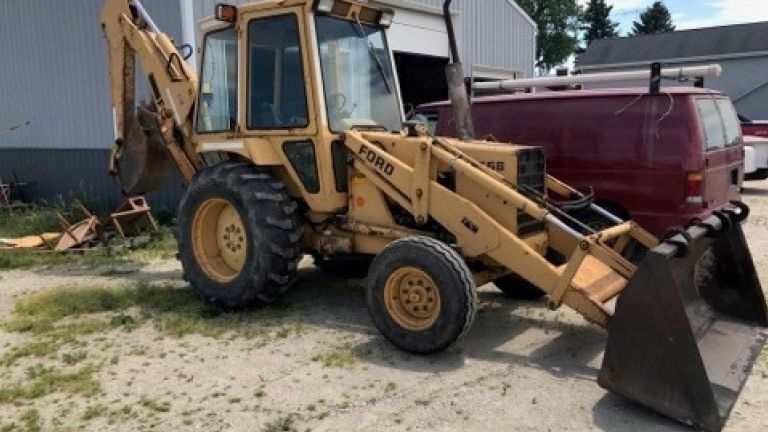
(377, 161)
(495, 165)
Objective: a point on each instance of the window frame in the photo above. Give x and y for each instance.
(200, 84)
(393, 70)
(739, 139)
(302, 181)
(303, 66)
(723, 138)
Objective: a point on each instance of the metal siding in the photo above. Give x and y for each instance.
(492, 32)
(54, 73)
(67, 174)
(54, 76)
(495, 33)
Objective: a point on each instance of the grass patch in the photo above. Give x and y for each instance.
(30, 421)
(74, 357)
(30, 349)
(39, 220)
(44, 381)
(285, 423)
(344, 356)
(34, 220)
(61, 316)
(154, 404)
(94, 411)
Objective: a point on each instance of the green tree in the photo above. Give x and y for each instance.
(559, 22)
(598, 23)
(655, 20)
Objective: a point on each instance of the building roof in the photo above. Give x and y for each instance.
(742, 40)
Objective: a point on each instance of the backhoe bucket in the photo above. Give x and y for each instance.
(689, 325)
(141, 161)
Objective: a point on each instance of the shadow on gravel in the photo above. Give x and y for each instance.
(515, 333)
(751, 191)
(612, 413)
(560, 348)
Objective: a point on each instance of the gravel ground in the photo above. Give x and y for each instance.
(319, 364)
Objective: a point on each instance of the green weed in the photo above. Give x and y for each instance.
(44, 381)
(344, 356)
(94, 411)
(155, 405)
(285, 423)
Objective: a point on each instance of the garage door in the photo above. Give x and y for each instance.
(419, 32)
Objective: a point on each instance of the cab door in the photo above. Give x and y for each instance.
(280, 106)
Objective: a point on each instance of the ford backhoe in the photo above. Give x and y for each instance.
(291, 140)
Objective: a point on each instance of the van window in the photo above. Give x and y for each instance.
(730, 121)
(713, 124)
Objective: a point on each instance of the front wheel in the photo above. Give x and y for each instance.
(238, 235)
(421, 295)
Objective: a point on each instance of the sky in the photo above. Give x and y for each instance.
(689, 14)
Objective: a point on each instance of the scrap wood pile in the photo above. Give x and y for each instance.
(89, 233)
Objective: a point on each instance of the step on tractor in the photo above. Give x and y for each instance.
(291, 139)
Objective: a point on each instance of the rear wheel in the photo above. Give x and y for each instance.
(238, 235)
(421, 295)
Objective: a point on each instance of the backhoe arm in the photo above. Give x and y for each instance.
(131, 35)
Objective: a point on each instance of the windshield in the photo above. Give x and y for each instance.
(357, 75)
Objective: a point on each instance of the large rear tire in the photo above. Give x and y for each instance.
(238, 235)
(421, 295)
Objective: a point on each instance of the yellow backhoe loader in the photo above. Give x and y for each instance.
(291, 139)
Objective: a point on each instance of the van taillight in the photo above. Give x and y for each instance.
(694, 190)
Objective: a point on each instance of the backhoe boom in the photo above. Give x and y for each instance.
(131, 35)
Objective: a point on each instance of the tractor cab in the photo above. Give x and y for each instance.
(285, 79)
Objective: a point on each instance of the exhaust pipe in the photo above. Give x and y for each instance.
(457, 90)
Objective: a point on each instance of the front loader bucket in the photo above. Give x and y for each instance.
(142, 160)
(689, 325)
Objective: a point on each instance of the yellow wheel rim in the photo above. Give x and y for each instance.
(412, 299)
(219, 239)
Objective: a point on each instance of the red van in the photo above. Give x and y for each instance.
(660, 160)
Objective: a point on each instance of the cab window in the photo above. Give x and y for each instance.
(276, 93)
(217, 105)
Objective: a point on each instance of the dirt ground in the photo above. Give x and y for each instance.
(317, 363)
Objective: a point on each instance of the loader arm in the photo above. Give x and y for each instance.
(131, 35)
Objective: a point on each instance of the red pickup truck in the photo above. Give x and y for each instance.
(756, 148)
(661, 160)
(754, 128)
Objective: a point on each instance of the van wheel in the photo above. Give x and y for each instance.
(515, 287)
(421, 295)
(238, 235)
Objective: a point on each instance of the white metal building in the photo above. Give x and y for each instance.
(496, 38)
(55, 115)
